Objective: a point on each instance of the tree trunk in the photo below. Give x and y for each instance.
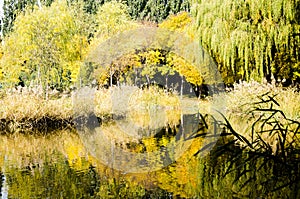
(181, 88)
(148, 79)
(166, 81)
(110, 76)
(182, 125)
(2, 24)
(136, 77)
(39, 4)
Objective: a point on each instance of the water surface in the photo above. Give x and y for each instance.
(72, 164)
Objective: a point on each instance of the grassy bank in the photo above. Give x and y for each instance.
(268, 117)
(25, 111)
(20, 111)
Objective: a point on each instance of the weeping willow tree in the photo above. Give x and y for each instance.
(251, 39)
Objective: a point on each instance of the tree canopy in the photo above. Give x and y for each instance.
(152, 10)
(251, 39)
(45, 41)
(46, 46)
(144, 64)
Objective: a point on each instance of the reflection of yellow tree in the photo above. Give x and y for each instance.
(75, 153)
(180, 178)
(22, 150)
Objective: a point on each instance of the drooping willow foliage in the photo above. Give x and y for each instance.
(251, 39)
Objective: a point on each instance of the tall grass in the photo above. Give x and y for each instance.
(240, 99)
(28, 111)
(22, 111)
(260, 112)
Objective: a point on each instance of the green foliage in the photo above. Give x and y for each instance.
(184, 68)
(113, 18)
(13, 8)
(248, 39)
(151, 60)
(181, 23)
(286, 65)
(138, 9)
(46, 46)
(156, 10)
(153, 10)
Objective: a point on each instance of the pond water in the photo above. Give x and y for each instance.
(173, 160)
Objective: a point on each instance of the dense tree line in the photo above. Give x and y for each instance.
(46, 42)
(153, 10)
(48, 45)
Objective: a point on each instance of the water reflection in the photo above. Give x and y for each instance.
(127, 146)
(59, 166)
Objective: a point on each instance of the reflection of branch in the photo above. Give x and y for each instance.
(254, 161)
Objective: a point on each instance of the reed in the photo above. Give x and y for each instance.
(28, 111)
(23, 111)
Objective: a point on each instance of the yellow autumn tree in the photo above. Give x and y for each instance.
(141, 64)
(112, 18)
(46, 46)
(180, 24)
(177, 22)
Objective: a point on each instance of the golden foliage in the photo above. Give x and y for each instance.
(177, 22)
(46, 46)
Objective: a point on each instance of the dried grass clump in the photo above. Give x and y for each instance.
(260, 116)
(24, 110)
(23, 150)
(154, 98)
(103, 102)
(244, 94)
(29, 106)
(265, 115)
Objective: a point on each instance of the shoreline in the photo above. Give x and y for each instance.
(41, 126)
(22, 112)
